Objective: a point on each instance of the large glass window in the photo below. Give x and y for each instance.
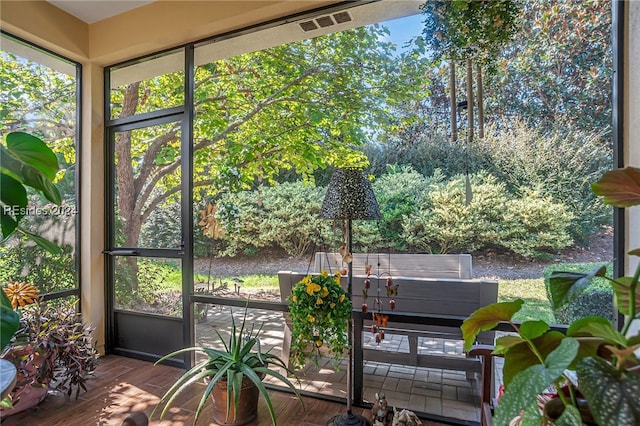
(40, 96)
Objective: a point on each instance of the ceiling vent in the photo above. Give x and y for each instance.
(325, 21)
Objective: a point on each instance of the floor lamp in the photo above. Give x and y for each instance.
(349, 197)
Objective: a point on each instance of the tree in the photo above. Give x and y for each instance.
(561, 71)
(300, 106)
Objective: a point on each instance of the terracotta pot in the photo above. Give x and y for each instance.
(247, 408)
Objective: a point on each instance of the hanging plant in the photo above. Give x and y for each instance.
(320, 311)
(463, 29)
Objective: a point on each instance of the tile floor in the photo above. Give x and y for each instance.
(434, 391)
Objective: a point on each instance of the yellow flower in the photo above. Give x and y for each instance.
(325, 292)
(311, 318)
(341, 298)
(318, 343)
(294, 298)
(318, 301)
(21, 293)
(312, 288)
(324, 273)
(332, 306)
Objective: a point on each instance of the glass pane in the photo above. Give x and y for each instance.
(39, 97)
(147, 188)
(147, 86)
(149, 285)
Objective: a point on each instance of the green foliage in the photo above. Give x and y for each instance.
(320, 311)
(558, 71)
(242, 357)
(446, 224)
(604, 358)
(49, 272)
(596, 299)
(291, 217)
(559, 163)
(534, 225)
(150, 277)
(9, 321)
(468, 28)
(25, 162)
(398, 193)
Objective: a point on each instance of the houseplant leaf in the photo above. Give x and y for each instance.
(33, 151)
(520, 356)
(619, 187)
(612, 395)
(567, 286)
(486, 318)
(9, 320)
(530, 382)
(622, 289)
(597, 327)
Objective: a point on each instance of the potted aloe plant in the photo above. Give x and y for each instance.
(594, 367)
(233, 377)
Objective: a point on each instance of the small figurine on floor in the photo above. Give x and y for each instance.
(381, 414)
(405, 418)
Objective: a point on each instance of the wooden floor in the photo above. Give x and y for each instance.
(122, 385)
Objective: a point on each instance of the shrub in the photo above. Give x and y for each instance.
(30, 263)
(597, 300)
(291, 217)
(560, 163)
(398, 193)
(245, 227)
(446, 224)
(533, 225)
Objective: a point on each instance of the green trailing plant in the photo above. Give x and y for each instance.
(603, 358)
(320, 311)
(241, 358)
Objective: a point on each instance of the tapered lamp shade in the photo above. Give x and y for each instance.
(350, 196)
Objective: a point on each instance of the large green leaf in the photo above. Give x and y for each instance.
(613, 396)
(28, 175)
(33, 151)
(570, 417)
(520, 357)
(597, 327)
(567, 286)
(9, 320)
(533, 329)
(619, 187)
(42, 242)
(486, 318)
(528, 383)
(622, 289)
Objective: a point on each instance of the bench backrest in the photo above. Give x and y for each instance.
(419, 265)
(439, 296)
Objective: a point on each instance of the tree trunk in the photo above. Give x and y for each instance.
(479, 90)
(469, 101)
(131, 223)
(453, 106)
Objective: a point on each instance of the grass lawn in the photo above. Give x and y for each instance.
(536, 305)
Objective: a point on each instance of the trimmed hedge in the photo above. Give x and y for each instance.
(597, 299)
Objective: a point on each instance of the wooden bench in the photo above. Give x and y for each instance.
(415, 265)
(438, 296)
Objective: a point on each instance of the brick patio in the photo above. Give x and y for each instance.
(434, 391)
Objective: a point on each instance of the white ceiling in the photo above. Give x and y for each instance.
(91, 11)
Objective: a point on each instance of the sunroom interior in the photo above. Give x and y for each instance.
(107, 49)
